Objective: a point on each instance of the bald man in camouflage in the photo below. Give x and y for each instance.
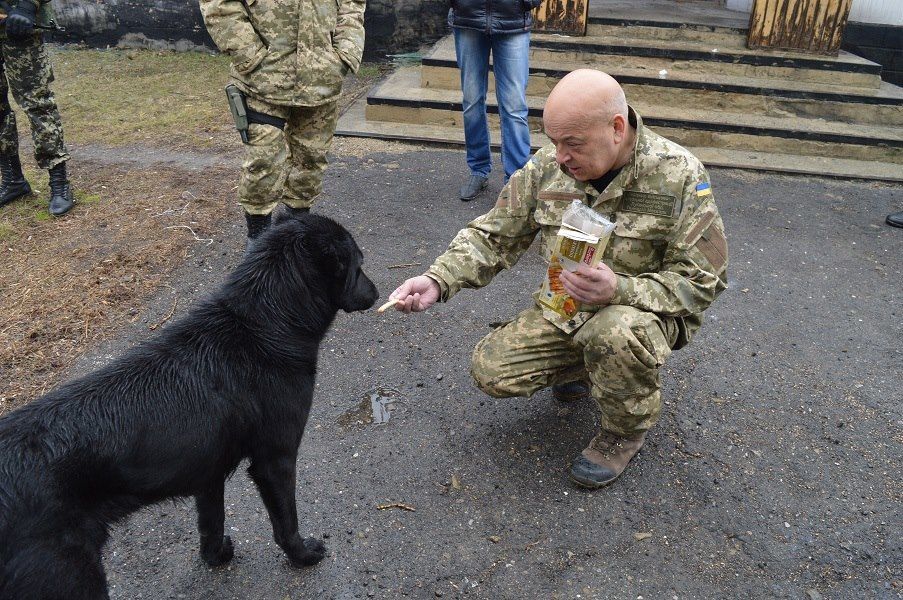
(289, 58)
(25, 70)
(664, 265)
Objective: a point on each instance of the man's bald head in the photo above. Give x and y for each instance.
(585, 96)
(585, 117)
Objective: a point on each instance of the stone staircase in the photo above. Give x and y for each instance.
(695, 83)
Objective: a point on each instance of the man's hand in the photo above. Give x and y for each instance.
(590, 285)
(20, 22)
(416, 294)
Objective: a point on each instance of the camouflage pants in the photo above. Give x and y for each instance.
(25, 70)
(286, 166)
(620, 350)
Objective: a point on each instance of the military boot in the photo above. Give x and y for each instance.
(61, 199)
(570, 391)
(12, 182)
(296, 212)
(605, 458)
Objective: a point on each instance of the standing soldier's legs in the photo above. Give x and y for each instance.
(623, 350)
(12, 181)
(263, 170)
(30, 74)
(309, 132)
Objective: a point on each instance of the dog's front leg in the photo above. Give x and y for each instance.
(274, 474)
(216, 548)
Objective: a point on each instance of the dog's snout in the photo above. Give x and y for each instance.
(370, 293)
(364, 294)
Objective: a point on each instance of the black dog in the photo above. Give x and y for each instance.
(174, 417)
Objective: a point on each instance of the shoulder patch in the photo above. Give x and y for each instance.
(713, 246)
(704, 189)
(700, 226)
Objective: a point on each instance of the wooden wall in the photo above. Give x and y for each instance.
(879, 12)
(809, 25)
(561, 16)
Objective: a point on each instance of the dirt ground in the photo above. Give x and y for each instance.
(772, 474)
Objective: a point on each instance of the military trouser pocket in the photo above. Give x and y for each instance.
(653, 349)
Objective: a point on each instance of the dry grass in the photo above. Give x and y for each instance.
(66, 284)
(131, 97)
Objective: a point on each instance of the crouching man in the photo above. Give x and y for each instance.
(664, 265)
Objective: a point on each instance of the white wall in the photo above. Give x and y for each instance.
(885, 12)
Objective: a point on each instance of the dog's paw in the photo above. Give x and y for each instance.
(311, 552)
(220, 556)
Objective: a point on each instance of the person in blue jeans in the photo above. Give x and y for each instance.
(500, 28)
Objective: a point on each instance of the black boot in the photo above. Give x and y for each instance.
(257, 224)
(13, 184)
(571, 391)
(296, 212)
(61, 199)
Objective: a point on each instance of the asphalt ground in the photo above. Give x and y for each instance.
(773, 473)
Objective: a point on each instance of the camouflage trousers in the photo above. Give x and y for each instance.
(25, 71)
(286, 166)
(619, 350)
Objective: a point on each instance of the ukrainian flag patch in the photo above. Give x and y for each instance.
(704, 189)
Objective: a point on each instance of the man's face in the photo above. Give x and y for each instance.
(587, 150)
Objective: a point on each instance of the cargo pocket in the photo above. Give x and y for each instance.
(655, 347)
(638, 242)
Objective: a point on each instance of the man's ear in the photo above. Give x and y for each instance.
(619, 123)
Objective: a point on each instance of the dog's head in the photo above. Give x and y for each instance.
(326, 252)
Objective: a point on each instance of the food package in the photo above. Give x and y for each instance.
(582, 238)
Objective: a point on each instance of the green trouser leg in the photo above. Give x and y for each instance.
(620, 349)
(286, 165)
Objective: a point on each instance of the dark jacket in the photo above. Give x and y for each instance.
(492, 16)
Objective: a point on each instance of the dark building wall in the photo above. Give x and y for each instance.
(169, 23)
(882, 44)
(392, 25)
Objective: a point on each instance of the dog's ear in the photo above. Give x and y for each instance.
(281, 217)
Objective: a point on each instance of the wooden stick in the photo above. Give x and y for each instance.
(400, 505)
(392, 302)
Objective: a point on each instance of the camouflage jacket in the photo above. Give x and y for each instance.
(288, 52)
(44, 14)
(668, 247)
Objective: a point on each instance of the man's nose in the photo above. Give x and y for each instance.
(561, 155)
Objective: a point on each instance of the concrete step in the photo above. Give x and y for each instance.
(761, 96)
(354, 123)
(702, 59)
(400, 99)
(719, 37)
(663, 13)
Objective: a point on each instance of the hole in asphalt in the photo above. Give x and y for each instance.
(375, 408)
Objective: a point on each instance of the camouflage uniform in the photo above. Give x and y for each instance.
(289, 57)
(668, 250)
(25, 70)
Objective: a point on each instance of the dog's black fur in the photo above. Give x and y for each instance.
(174, 416)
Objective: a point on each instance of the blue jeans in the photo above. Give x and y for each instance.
(511, 67)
